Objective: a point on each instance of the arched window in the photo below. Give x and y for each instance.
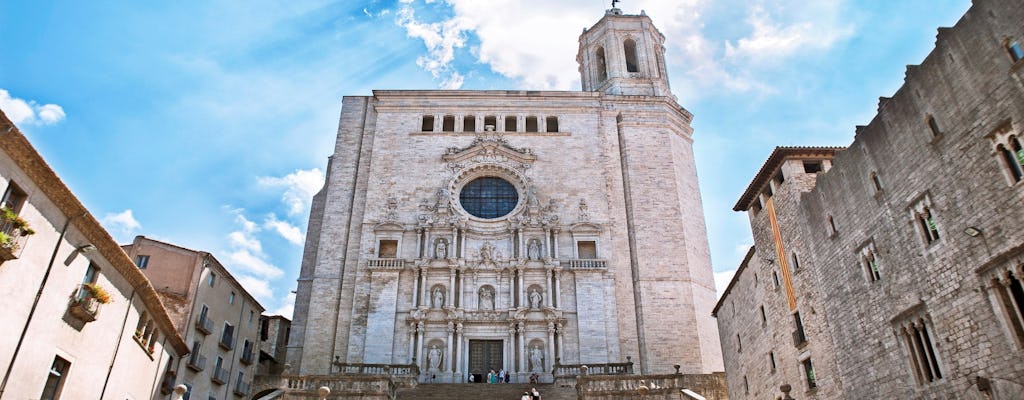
(1013, 159)
(428, 123)
(602, 69)
(631, 61)
(552, 124)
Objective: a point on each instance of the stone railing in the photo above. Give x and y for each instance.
(582, 263)
(385, 263)
(363, 387)
(565, 374)
(375, 369)
(608, 387)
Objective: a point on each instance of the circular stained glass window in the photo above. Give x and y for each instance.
(489, 197)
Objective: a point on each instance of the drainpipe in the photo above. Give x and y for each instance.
(117, 346)
(35, 303)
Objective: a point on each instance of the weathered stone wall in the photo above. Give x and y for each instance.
(973, 90)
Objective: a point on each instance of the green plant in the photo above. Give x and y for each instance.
(7, 241)
(16, 222)
(97, 292)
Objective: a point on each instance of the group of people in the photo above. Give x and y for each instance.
(533, 394)
(497, 377)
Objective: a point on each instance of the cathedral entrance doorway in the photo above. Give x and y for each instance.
(484, 355)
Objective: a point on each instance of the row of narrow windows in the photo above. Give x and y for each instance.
(470, 124)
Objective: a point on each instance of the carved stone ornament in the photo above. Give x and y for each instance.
(390, 209)
(583, 213)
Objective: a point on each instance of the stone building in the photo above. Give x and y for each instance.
(892, 268)
(464, 231)
(80, 321)
(274, 333)
(218, 318)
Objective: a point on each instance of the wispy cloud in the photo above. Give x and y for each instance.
(288, 231)
(441, 39)
(246, 253)
(287, 307)
(300, 186)
(29, 112)
(122, 225)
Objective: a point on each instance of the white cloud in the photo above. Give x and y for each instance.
(287, 307)
(441, 39)
(288, 231)
(772, 41)
(29, 112)
(253, 264)
(722, 279)
(453, 82)
(122, 225)
(300, 186)
(258, 288)
(243, 241)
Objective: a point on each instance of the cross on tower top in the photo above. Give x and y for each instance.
(615, 1)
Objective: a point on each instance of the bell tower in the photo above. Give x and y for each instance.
(623, 55)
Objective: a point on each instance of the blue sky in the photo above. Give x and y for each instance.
(208, 124)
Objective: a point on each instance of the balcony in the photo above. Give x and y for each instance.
(241, 389)
(13, 233)
(385, 263)
(196, 363)
(204, 325)
(220, 375)
(246, 357)
(85, 304)
(587, 264)
(226, 343)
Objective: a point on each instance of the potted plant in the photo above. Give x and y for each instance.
(11, 228)
(97, 292)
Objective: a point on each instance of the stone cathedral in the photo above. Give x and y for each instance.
(464, 231)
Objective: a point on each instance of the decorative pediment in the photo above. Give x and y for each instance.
(489, 146)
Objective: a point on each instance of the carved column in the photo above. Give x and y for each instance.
(462, 291)
(416, 287)
(419, 243)
(550, 353)
(520, 123)
(455, 236)
(438, 122)
(511, 287)
(547, 242)
(419, 346)
(507, 348)
(548, 286)
(556, 299)
(459, 127)
(560, 331)
(519, 240)
(457, 354)
(449, 346)
(479, 123)
(412, 342)
(522, 365)
(521, 293)
(423, 287)
(462, 245)
(542, 123)
(554, 242)
(451, 287)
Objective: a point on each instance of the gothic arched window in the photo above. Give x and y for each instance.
(602, 69)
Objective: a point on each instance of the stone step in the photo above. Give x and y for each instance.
(483, 391)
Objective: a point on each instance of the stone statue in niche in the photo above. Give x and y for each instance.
(437, 296)
(533, 249)
(434, 358)
(584, 214)
(486, 299)
(441, 249)
(531, 197)
(536, 359)
(443, 199)
(487, 252)
(535, 298)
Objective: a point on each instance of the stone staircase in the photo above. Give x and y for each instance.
(483, 391)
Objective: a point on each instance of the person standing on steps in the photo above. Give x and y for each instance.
(534, 394)
(501, 375)
(526, 396)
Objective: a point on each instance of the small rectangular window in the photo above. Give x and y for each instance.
(921, 351)
(227, 337)
(211, 279)
(586, 249)
(779, 178)
(552, 124)
(771, 360)
(469, 123)
(799, 338)
(812, 167)
(428, 123)
(55, 379)
(764, 317)
(14, 198)
(448, 123)
(91, 274)
(510, 124)
(231, 298)
(141, 261)
(491, 121)
(388, 249)
(927, 222)
(934, 126)
(812, 381)
(531, 124)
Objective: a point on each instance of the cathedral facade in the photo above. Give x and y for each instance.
(464, 231)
